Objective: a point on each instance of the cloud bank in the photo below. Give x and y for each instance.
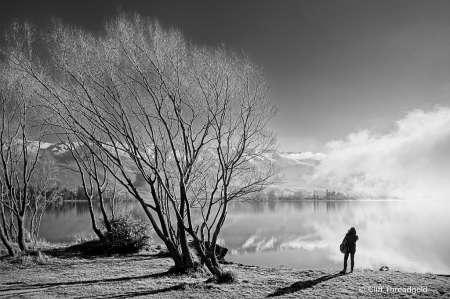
(412, 161)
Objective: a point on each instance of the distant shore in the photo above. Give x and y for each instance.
(52, 274)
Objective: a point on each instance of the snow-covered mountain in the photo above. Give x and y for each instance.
(69, 176)
(296, 166)
(285, 159)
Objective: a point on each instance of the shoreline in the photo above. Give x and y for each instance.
(144, 275)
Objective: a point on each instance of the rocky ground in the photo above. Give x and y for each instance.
(56, 274)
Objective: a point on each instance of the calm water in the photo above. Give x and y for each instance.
(409, 236)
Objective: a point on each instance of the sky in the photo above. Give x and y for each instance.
(336, 67)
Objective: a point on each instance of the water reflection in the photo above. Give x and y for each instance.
(66, 222)
(403, 235)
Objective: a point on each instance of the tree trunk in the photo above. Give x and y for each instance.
(6, 242)
(93, 220)
(214, 267)
(208, 258)
(176, 257)
(12, 227)
(31, 230)
(21, 234)
(183, 261)
(105, 216)
(38, 224)
(187, 256)
(4, 223)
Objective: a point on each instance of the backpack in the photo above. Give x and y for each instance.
(344, 246)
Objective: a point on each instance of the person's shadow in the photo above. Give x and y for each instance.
(301, 285)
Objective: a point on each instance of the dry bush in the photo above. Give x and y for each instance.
(128, 234)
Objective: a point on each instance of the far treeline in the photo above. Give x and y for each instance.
(133, 99)
(276, 194)
(66, 194)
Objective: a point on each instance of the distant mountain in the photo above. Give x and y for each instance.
(296, 167)
(70, 177)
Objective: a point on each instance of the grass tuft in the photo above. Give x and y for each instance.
(227, 277)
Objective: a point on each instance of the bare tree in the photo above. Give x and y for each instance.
(27, 176)
(190, 120)
(44, 189)
(6, 224)
(95, 179)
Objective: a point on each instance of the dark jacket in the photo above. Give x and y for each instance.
(351, 237)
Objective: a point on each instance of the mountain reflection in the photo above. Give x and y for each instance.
(404, 235)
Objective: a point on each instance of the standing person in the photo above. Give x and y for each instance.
(351, 237)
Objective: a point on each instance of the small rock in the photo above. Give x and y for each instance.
(384, 268)
(245, 281)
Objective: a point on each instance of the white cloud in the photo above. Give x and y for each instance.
(412, 161)
(305, 155)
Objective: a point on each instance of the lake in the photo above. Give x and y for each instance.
(403, 235)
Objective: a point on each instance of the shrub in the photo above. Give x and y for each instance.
(227, 277)
(127, 235)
